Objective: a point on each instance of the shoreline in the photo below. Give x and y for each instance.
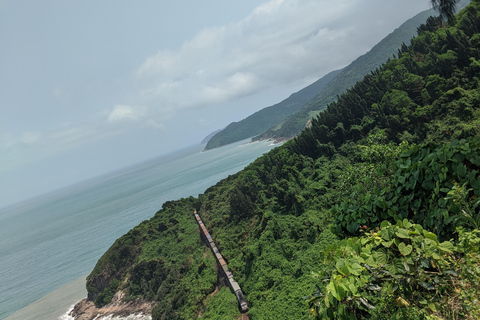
(54, 304)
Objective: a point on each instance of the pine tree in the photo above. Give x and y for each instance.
(446, 8)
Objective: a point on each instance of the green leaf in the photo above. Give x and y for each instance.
(381, 257)
(419, 229)
(461, 170)
(406, 224)
(402, 233)
(391, 268)
(387, 244)
(447, 246)
(429, 235)
(405, 250)
(384, 224)
(355, 269)
(334, 292)
(442, 202)
(353, 289)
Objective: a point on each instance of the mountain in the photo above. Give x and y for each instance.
(354, 72)
(372, 212)
(267, 117)
(207, 138)
(287, 118)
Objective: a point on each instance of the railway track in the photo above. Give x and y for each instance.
(223, 267)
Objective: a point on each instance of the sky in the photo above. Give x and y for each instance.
(88, 87)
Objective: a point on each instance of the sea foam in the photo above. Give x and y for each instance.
(139, 316)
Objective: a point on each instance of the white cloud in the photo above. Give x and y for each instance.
(30, 137)
(234, 86)
(280, 42)
(155, 125)
(121, 113)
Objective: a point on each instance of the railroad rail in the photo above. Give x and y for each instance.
(222, 267)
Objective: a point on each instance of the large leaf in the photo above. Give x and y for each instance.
(461, 170)
(381, 257)
(405, 250)
(447, 246)
(402, 233)
(355, 269)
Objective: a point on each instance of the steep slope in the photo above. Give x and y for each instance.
(388, 149)
(267, 117)
(354, 72)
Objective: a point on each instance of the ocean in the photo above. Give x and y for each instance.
(49, 244)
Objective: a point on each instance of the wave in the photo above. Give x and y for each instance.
(140, 316)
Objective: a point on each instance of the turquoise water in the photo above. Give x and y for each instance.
(51, 241)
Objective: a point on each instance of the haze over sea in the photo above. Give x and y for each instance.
(50, 243)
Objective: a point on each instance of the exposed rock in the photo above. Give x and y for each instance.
(86, 310)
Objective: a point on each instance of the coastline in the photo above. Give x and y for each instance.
(53, 305)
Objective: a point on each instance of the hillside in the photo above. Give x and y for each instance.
(287, 118)
(354, 72)
(372, 212)
(269, 116)
(379, 54)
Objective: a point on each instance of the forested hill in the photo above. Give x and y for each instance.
(373, 212)
(292, 125)
(264, 119)
(379, 54)
(288, 118)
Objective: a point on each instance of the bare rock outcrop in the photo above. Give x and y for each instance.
(86, 310)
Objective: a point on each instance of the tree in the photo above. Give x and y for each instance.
(446, 8)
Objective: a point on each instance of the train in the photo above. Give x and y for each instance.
(222, 265)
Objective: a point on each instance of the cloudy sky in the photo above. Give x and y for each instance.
(87, 86)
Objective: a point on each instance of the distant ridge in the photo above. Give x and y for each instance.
(286, 119)
(207, 138)
(379, 54)
(264, 119)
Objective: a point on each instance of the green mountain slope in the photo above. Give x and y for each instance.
(354, 72)
(372, 212)
(267, 117)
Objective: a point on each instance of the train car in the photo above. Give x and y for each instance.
(225, 268)
(239, 294)
(222, 262)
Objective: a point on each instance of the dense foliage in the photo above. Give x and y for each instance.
(418, 190)
(397, 155)
(400, 271)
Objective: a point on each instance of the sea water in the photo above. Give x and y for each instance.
(49, 244)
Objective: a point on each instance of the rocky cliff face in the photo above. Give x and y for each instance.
(86, 310)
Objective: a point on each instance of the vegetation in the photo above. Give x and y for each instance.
(262, 120)
(287, 118)
(350, 75)
(446, 8)
(372, 212)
